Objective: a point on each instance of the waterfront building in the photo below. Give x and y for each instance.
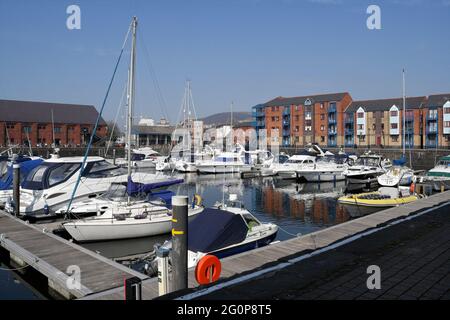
(44, 123)
(379, 123)
(304, 119)
(436, 117)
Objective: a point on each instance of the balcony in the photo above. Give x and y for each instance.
(332, 143)
(286, 123)
(432, 117)
(286, 111)
(331, 120)
(332, 108)
(348, 120)
(349, 142)
(349, 131)
(286, 133)
(409, 118)
(431, 130)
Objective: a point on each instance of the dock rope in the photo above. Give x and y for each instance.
(289, 233)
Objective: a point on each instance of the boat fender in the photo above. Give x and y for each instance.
(208, 269)
(412, 188)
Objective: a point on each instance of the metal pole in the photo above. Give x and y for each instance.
(114, 156)
(16, 188)
(179, 242)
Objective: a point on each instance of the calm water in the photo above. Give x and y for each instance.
(295, 208)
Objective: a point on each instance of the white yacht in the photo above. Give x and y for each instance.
(396, 176)
(144, 157)
(439, 176)
(324, 170)
(225, 162)
(49, 186)
(367, 168)
(288, 169)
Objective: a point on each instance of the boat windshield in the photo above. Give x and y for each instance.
(367, 161)
(49, 174)
(102, 169)
(444, 163)
(3, 167)
(250, 220)
(225, 159)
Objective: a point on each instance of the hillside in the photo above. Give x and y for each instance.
(224, 118)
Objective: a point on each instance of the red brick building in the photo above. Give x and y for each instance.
(42, 123)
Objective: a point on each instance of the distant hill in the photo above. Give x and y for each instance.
(225, 117)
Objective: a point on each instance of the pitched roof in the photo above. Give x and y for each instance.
(438, 100)
(153, 130)
(386, 104)
(283, 101)
(41, 112)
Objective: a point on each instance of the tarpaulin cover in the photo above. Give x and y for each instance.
(165, 196)
(26, 165)
(135, 188)
(214, 229)
(399, 162)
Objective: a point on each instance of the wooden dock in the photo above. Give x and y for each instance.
(54, 257)
(281, 252)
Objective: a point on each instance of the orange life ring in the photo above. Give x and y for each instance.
(412, 188)
(203, 269)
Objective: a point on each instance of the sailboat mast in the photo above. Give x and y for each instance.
(404, 114)
(131, 95)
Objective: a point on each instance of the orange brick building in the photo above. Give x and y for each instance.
(42, 123)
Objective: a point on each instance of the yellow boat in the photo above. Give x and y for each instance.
(376, 199)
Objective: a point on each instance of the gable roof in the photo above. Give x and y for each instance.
(438, 100)
(386, 104)
(41, 112)
(283, 101)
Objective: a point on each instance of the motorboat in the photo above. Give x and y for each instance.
(439, 176)
(49, 186)
(165, 164)
(327, 168)
(367, 168)
(226, 162)
(395, 176)
(383, 198)
(144, 157)
(6, 179)
(148, 214)
(288, 169)
(223, 231)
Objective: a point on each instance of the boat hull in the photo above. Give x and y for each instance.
(214, 169)
(320, 176)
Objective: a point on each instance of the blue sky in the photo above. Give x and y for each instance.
(246, 51)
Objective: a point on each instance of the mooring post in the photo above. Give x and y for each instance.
(114, 156)
(16, 188)
(163, 270)
(179, 242)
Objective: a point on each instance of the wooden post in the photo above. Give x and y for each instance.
(179, 242)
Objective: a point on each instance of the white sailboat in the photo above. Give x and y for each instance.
(131, 214)
(399, 174)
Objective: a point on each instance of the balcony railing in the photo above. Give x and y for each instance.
(349, 131)
(286, 123)
(348, 120)
(432, 117)
(286, 111)
(286, 133)
(432, 129)
(332, 120)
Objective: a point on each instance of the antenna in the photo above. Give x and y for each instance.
(404, 113)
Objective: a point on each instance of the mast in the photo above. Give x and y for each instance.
(53, 131)
(404, 114)
(131, 96)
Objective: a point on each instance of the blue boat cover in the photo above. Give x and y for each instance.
(165, 195)
(399, 162)
(214, 229)
(26, 165)
(135, 188)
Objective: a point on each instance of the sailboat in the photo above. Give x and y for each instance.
(129, 210)
(399, 174)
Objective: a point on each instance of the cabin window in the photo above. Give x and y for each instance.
(101, 166)
(37, 174)
(61, 173)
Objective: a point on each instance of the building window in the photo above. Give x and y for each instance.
(433, 113)
(308, 115)
(360, 127)
(42, 126)
(322, 116)
(447, 124)
(297, 118)
(394, 138)
(297, 128)
(362, 138)
(446, 110)
(322, 128)
(360, 115)
(273, 118)
(394, 113)
(26, 129)
(382, 126)
(277, 118)
(10, 125)
(394, 125)
(57, 129)
(322, 139)
(70, 128)
(321, 106)
(273, 108)
(374, 126)
(296, 108)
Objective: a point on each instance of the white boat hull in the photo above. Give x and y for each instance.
(320, 176)
(229, 168)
